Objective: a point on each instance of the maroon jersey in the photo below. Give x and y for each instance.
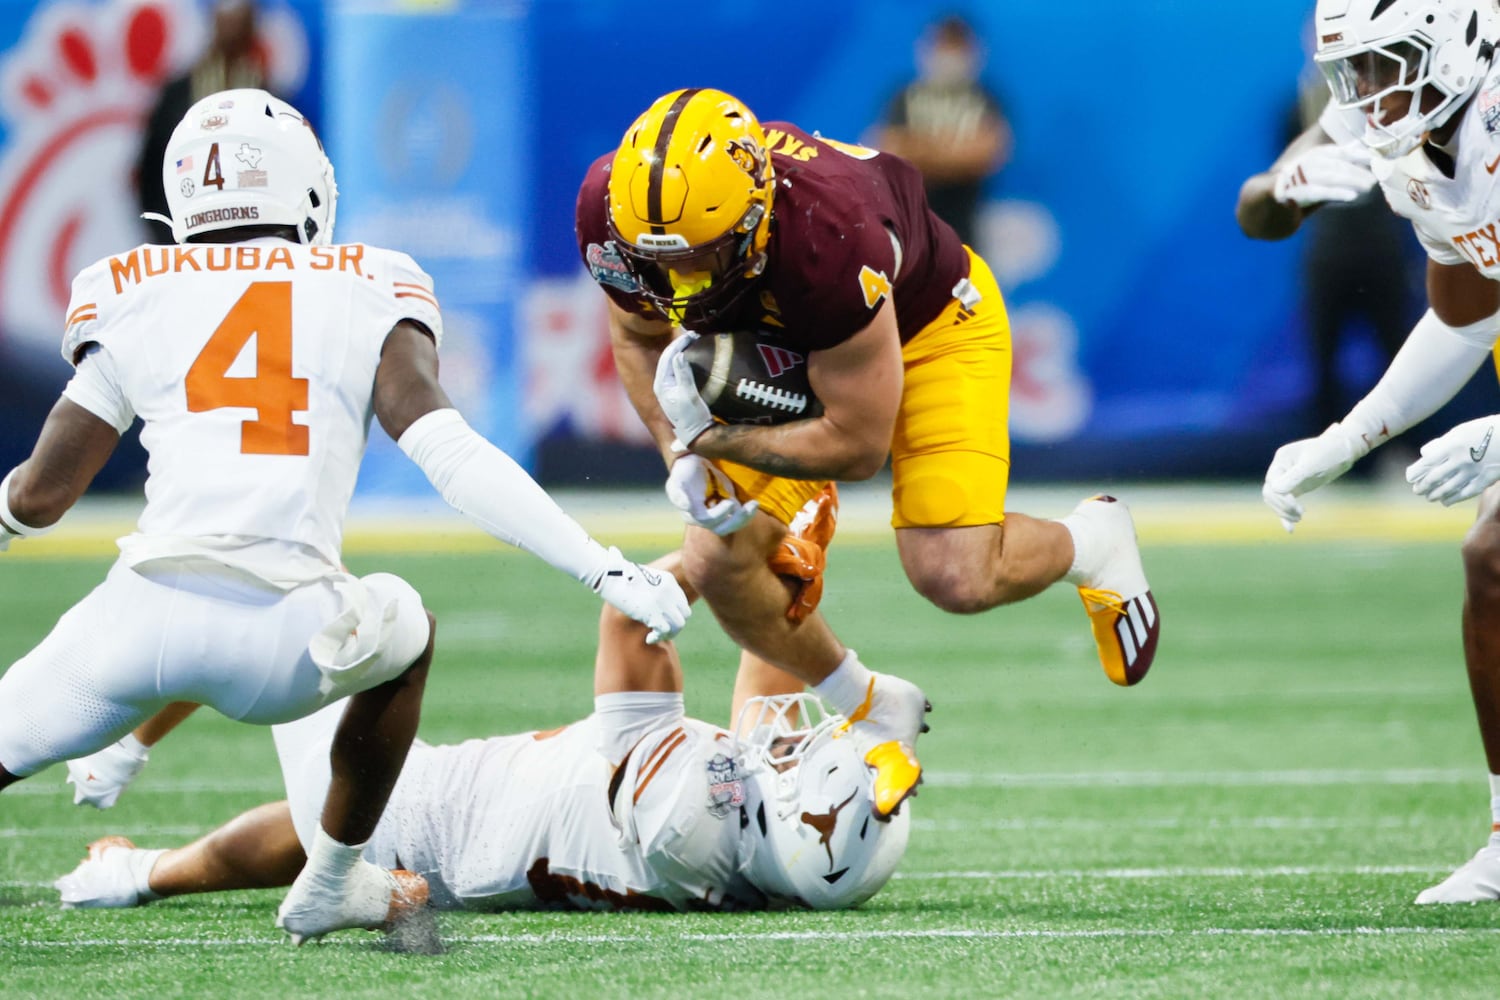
(850, 227)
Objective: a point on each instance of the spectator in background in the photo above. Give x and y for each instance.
(949, 125)
(232, 61)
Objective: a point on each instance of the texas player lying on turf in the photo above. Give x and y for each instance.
(703, 219)
(1422, 76)
(634, 808)
(101, 777)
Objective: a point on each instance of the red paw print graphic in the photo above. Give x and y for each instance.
(74, 94)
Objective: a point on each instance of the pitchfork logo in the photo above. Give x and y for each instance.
(74, 92)
(778, 359)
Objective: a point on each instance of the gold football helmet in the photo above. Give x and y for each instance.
(690, 202)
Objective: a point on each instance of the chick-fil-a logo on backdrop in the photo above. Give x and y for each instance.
(75, 92)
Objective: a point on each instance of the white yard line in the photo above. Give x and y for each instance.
(152, 786)
(1210, 779)
(1010, 823)
(84, 835)
(815, 936)
(1264, 871)
(952, 779)
(1029, 823)
(1165, 873)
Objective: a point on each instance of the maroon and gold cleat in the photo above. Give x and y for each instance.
(897, 775)
(889, 721)
(1122, 613)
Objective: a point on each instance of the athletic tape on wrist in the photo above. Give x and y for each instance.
(8, 521)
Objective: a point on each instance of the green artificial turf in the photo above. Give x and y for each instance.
(1252, 821)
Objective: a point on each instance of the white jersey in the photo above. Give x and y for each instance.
(549, 820)
(544, 819)
(1458, 218)
(252, 366)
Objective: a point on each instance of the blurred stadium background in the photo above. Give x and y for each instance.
(1252, 822)
(1153, 341)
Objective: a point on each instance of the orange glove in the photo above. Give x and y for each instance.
(802, 555)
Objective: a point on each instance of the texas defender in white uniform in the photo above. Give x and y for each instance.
(1423, 74)
(230, 592)
(634, 808)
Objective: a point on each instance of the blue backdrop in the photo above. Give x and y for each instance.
(1154, 338)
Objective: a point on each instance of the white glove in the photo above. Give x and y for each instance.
(650, 596)
(5, 536)
(1329, 172)
(1303, 466)
(99, 778)
(677, 393)
(687, 488)
(1458, 465)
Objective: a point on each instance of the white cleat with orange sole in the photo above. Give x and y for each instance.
(367, 898)
(1477, 881)
(115, 875)
(888, 723)
(1122, 613)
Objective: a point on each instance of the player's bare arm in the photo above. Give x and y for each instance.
(859, 384)
(637, 342)
(1260, 215)
(479, 480)
(72, 448)
(406, 383)
(624, 661)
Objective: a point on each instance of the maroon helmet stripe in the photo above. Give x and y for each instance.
(659, 159)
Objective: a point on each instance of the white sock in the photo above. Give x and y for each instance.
(1087, 549)
(140, 864)
(848, 686)
(135, 747)
(329, 860)
(1495, 803)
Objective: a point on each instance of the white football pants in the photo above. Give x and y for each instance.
(145, 638)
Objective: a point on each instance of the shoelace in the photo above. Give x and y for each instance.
(1110, 599)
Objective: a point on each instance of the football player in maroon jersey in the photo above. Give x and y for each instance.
(705, 220)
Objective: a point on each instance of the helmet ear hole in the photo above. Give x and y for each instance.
(312, 196)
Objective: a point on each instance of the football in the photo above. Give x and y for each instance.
(752, 377)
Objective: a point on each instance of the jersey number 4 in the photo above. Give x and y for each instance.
(265, 313)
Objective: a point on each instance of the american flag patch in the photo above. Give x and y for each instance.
(185, 165)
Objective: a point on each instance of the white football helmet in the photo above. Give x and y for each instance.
(1373, 50)
(812, 838)
(245, 158)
